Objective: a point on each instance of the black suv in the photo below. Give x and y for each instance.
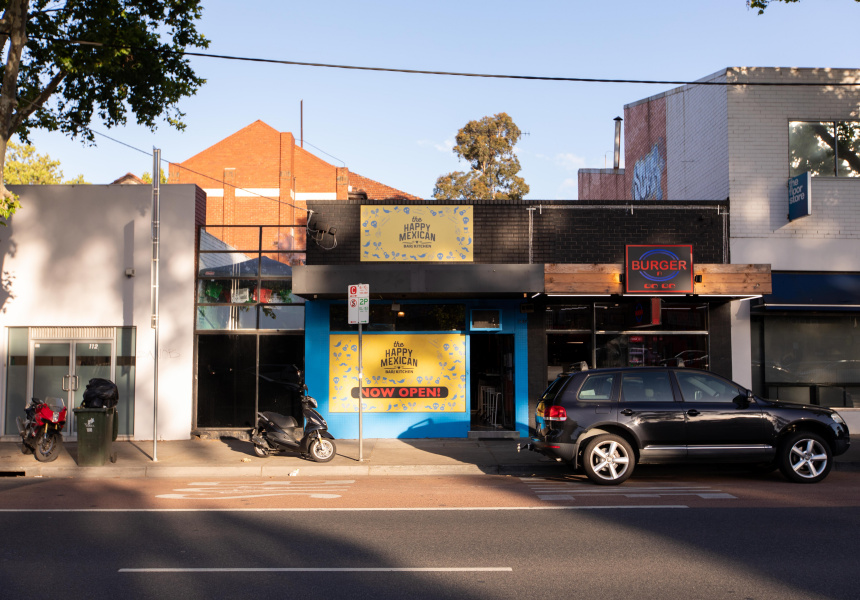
(607, 420)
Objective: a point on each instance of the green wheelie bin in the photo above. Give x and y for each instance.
(97, 429)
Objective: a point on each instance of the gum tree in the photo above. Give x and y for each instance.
(69, 62)
(488, 146)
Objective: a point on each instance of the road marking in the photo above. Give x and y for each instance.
(548, 489)
(221, 490)
(322, 570)
(325, 509)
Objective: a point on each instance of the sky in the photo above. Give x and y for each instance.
(399, 128)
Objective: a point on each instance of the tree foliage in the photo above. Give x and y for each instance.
(147, 177)
(71, 61)
(488, 146)
(762, 4)
(24, 166)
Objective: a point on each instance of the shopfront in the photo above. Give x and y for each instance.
(806, 339)
(429, 367)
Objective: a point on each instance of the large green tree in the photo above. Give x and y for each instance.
(762, 4)
(68, 62)
(488, 146)
(25, 166)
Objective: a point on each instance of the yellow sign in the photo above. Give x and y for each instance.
(416, 233)
(402, 373)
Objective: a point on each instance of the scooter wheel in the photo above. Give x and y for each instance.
(322, 450)
(261, 452)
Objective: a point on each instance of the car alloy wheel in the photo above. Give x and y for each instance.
(608, 460)
(805, 458)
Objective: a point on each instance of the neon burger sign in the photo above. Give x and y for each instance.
(659, 269)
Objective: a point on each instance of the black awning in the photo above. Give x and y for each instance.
(813, 291)
(411, 280)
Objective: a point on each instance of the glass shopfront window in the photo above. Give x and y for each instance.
(403, 317)
(250, 342)
(242, 283)
(624, 333)
(806, 358)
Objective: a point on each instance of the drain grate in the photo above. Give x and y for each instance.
(12, 473)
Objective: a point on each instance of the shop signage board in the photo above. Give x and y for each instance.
(414, 233)
(658, 269)
(799, 196)
(401, 373)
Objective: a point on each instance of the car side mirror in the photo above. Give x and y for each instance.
(746, 400)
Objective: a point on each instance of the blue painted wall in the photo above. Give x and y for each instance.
(403, 424)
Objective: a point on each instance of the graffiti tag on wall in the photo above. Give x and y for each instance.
(648, 175)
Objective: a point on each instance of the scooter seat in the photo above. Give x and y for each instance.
(280, 420)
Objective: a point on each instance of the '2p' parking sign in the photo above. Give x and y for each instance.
(358, 302)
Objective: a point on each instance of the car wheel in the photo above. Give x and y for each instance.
(608, 460)
(805, 458)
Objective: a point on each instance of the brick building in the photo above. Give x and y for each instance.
(260, 176)
(740, 135)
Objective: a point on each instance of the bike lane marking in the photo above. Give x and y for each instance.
(229, 490)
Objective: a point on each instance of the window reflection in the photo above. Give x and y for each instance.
(824, 148)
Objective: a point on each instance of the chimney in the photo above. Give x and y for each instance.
(617, 162)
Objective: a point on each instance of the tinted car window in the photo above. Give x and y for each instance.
(596, 388)
(646, 386)
(704, 387)
(554, 388)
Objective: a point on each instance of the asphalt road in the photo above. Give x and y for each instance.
(660, 536)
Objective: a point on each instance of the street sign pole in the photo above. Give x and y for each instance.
(360, 400)
(358, 313)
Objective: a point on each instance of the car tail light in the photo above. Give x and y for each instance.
(555, 413)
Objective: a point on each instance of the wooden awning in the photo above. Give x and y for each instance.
(709, 279)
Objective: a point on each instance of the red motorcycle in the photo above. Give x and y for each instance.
(41, 429)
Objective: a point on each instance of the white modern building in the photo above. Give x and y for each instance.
(75, 302)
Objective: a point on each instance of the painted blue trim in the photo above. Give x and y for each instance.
(420, 424)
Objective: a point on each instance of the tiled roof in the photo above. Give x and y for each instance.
(129, 178)
(376, 190)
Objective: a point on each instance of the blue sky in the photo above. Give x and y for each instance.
(399, 128)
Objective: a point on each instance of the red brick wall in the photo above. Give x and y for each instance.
(644, 133)
(258, 156)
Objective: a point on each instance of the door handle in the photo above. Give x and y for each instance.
(693, 413)
(76, 383)
(627, 412)
(65, 385)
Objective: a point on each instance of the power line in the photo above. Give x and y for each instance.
(205, 176)
(483, 75)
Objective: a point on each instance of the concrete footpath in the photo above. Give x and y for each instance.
(229, 457)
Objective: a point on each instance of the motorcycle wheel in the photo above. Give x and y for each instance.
(25, 449)
(261, 452)
(48, 446)
(322, 450)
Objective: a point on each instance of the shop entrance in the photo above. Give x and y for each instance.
(61, 369)
(491, 359)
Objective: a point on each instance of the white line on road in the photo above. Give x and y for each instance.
(322, 570)
(323, 509)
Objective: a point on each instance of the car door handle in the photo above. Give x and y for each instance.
(627, 412)
(693, 413)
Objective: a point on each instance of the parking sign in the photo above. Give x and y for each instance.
(359, 303)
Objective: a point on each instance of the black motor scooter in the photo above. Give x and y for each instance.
(276, 433)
